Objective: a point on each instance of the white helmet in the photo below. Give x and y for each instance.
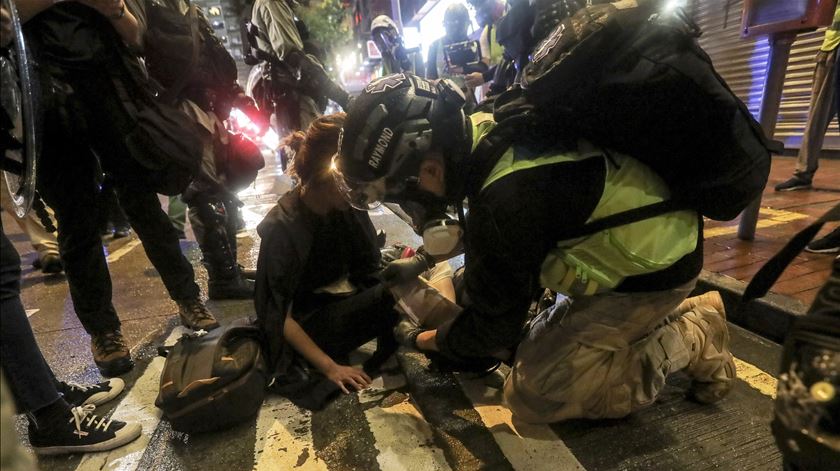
(382, 21)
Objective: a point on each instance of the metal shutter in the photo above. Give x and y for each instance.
(742, 62)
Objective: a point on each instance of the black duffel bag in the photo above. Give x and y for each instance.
(214, 380)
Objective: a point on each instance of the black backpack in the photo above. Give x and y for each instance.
(806, 422)
(211, 381)
(182, 50)
(640, 84)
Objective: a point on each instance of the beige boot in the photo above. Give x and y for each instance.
(711, 298)
(706, 334)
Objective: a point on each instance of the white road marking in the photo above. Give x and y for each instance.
(122, 251)
(527, 447)
(138, 406)
(758, 379)
(404, 439)
(31, 312)
(284, 438)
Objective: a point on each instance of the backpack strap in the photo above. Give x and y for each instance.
(625, 217)
(171, 94)
(772, 270)
(490, 149)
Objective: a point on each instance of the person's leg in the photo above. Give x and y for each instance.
(45, 243)
(30, 379)
(343, 326)
(177, 211)
(67, 180)
(160, 241)
(114, 219)
(610, 354)
(308, 112)
(819, 116)
(218, 248)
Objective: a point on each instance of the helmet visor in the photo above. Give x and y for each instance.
(361, 195)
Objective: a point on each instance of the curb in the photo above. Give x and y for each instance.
(770, 316)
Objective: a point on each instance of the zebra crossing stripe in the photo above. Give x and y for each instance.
(136, 407)
(404, 439)
(284, 437)
(528, 447)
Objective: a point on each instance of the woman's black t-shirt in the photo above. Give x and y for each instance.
(341, 248)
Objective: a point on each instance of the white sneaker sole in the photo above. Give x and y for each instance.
(117, 386)
(128, 434)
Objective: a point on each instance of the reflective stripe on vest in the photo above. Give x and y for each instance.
(599, 262)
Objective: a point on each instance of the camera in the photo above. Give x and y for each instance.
(462, 54)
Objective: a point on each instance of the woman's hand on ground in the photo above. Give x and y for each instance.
(345, 376)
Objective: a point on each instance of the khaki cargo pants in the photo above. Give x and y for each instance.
(610, 354)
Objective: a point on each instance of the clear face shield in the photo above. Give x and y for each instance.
(363, 196)
(387, 40)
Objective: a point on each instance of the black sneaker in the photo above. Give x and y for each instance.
(828, 244)
(84, 432)
(794, 183)
(97, 394)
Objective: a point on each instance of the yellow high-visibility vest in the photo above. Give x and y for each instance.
(599, 262)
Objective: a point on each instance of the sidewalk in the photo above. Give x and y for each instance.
(730, 263)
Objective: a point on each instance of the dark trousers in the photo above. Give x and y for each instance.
(30, 379)
(84, 125)
(346, 324)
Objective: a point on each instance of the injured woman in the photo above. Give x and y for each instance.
(317, 291)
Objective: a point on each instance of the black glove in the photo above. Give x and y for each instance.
(406, 269)
(406, 332)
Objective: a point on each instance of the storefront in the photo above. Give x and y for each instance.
(742, 63)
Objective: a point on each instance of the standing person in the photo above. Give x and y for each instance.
(86, 52)
(407, 140)
(229, 161)
(456, 22)
(488, 13)
(316, 285)
(60, 414)
(299, 84)
(820, 112)
(395, 57)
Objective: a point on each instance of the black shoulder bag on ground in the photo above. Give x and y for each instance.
(211, 381)
(806, 421)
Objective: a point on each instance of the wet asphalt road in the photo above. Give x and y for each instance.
(411, 419)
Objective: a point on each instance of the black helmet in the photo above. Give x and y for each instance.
(390, 128)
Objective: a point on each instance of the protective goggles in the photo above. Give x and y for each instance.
(361, 195)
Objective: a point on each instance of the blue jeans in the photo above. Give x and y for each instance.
(32, 382)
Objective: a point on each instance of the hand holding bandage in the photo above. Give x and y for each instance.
(422, 307)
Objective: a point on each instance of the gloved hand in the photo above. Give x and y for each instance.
(406, 332)
(406, 269)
